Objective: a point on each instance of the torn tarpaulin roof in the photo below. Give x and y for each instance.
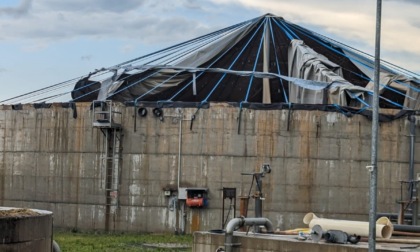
(266, 60)
(230, 65)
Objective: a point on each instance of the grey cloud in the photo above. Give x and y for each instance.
(415, 23)
(3, 70)
(147, 29)
(22, 9)
(151, 30)
(192, 4)
(94, 5)
(144, 21)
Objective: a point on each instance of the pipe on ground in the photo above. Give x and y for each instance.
(395, 215)
(384, 227)
(407, 228)
(241, 222)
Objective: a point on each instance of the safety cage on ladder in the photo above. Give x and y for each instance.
(104, 115)
(106, 118)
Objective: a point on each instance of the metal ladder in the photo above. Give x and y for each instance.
(105, 118)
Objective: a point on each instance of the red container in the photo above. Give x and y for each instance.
(195, 202)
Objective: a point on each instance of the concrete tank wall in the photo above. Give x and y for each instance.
(50, 160)
(25, 230)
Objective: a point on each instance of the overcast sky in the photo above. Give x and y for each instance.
(44, 42)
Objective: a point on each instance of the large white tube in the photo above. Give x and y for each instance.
(384, 227)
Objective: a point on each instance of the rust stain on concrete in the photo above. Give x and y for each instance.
(195, 220)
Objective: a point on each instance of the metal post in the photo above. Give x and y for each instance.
(412, 120)
(375, 127)
(258, 196)
(258, 200)
(179, 170)
(179, 150)
(413, 187)
(414, 203)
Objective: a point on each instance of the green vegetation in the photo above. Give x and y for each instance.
(87, 242)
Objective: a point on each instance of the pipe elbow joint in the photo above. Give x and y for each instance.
(234, 223)
(269, 226)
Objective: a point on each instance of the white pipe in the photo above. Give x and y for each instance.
(384, 227)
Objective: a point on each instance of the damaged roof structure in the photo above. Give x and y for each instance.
(265, 63)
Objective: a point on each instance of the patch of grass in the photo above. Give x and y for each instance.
(91, 242)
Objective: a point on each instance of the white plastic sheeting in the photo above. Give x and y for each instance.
(389, 80)
(162, 78)
(305, 63)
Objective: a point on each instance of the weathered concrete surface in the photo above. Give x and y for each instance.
(23, 233)
(209, 242)
(49, 160)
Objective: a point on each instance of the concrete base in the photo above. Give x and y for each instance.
(210, 242)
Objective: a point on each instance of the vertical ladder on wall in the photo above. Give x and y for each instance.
(108, 120)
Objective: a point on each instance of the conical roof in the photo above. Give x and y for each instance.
(265, 60)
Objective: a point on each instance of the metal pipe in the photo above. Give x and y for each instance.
(240, 222)
(179, 171)
(258, 200)
(179, 148)
(135, 116)
(258, 196)
(407, 228)
(414, 206)
(395, 215)
(243, 207)
(183, 215)
(373, 189)
(412, 120)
